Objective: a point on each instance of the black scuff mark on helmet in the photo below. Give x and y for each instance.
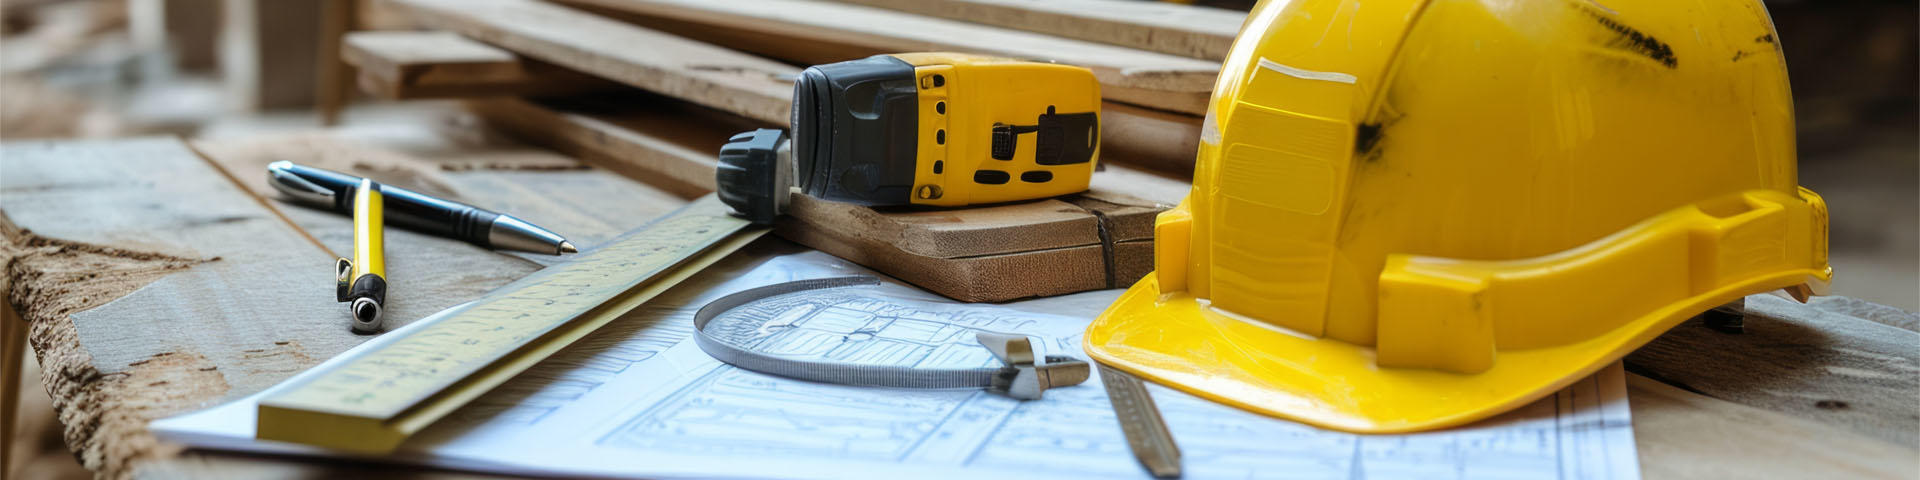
(1767, 40)
(1366, 140)
(1633, 40)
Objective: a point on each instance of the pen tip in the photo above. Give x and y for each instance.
(566, 247)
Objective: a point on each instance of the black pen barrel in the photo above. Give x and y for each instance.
(414, 211)
(430, 215)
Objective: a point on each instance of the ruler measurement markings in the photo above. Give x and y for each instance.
(1146, 431)
(399, 376)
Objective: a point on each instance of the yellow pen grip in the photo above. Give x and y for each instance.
(368, 238)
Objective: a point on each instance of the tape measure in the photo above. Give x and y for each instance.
(766, 309)
(1146, 431)
(933, 129)
(373, 402)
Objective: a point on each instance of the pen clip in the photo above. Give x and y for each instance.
(282, 177)
(342, 278)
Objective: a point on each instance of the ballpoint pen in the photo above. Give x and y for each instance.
(416, 211)
(363, 279)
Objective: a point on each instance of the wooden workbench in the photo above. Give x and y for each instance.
(158, 276)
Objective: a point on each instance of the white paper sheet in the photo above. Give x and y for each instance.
(639, 399)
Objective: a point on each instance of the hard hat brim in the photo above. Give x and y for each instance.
(1177, 340)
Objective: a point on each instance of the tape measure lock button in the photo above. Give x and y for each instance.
(1022, 378)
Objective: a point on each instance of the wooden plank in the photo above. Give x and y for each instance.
(100, 220)
(414, 260)
(1185, 30)
(141, 271)
(731, 81)
(955, 233)
(988, 254)
(704, 74)
(1684, 435)
(665, 143)
(334, 75)
(1151, 139)
(269, 53)
(411, 65)
(455, 160)
(1823, 365)
(1150, 79)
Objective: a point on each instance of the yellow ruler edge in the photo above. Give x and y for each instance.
(461, 393)
(377, 400)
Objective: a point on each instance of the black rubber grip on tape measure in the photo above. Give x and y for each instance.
(746, 178)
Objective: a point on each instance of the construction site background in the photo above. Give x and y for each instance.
(107, 68)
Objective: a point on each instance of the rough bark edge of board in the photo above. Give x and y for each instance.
(103, 415)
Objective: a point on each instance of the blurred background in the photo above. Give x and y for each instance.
(115, 68)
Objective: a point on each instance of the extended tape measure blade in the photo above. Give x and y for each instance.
(1147, 434)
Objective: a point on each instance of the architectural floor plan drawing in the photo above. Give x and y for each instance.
(640, 399)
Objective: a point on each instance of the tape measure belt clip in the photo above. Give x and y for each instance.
(1060, 138)
(1020, 377)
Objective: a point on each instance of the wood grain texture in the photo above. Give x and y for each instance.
(411, 65)
(665, 143)
(973, 279)
(988, 254)
(772, 27)
(1150, 139)
(704, 74)
(1185, 30)
(731, 81)
(413, 259)
(1828, 366)
(1680, 434)
(456, 160)
(141, 271)
(183, 287)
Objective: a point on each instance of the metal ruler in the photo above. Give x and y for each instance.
(380, 397)
(1147, 433)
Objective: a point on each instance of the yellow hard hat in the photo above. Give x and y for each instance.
(1410, 214)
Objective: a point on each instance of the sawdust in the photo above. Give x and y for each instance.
(49, 279)
(282, 359)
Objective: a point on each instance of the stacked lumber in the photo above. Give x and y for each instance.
(651, 88)
(736, 59)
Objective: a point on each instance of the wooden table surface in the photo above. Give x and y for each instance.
(158, 276)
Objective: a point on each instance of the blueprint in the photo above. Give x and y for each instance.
(639, 398)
